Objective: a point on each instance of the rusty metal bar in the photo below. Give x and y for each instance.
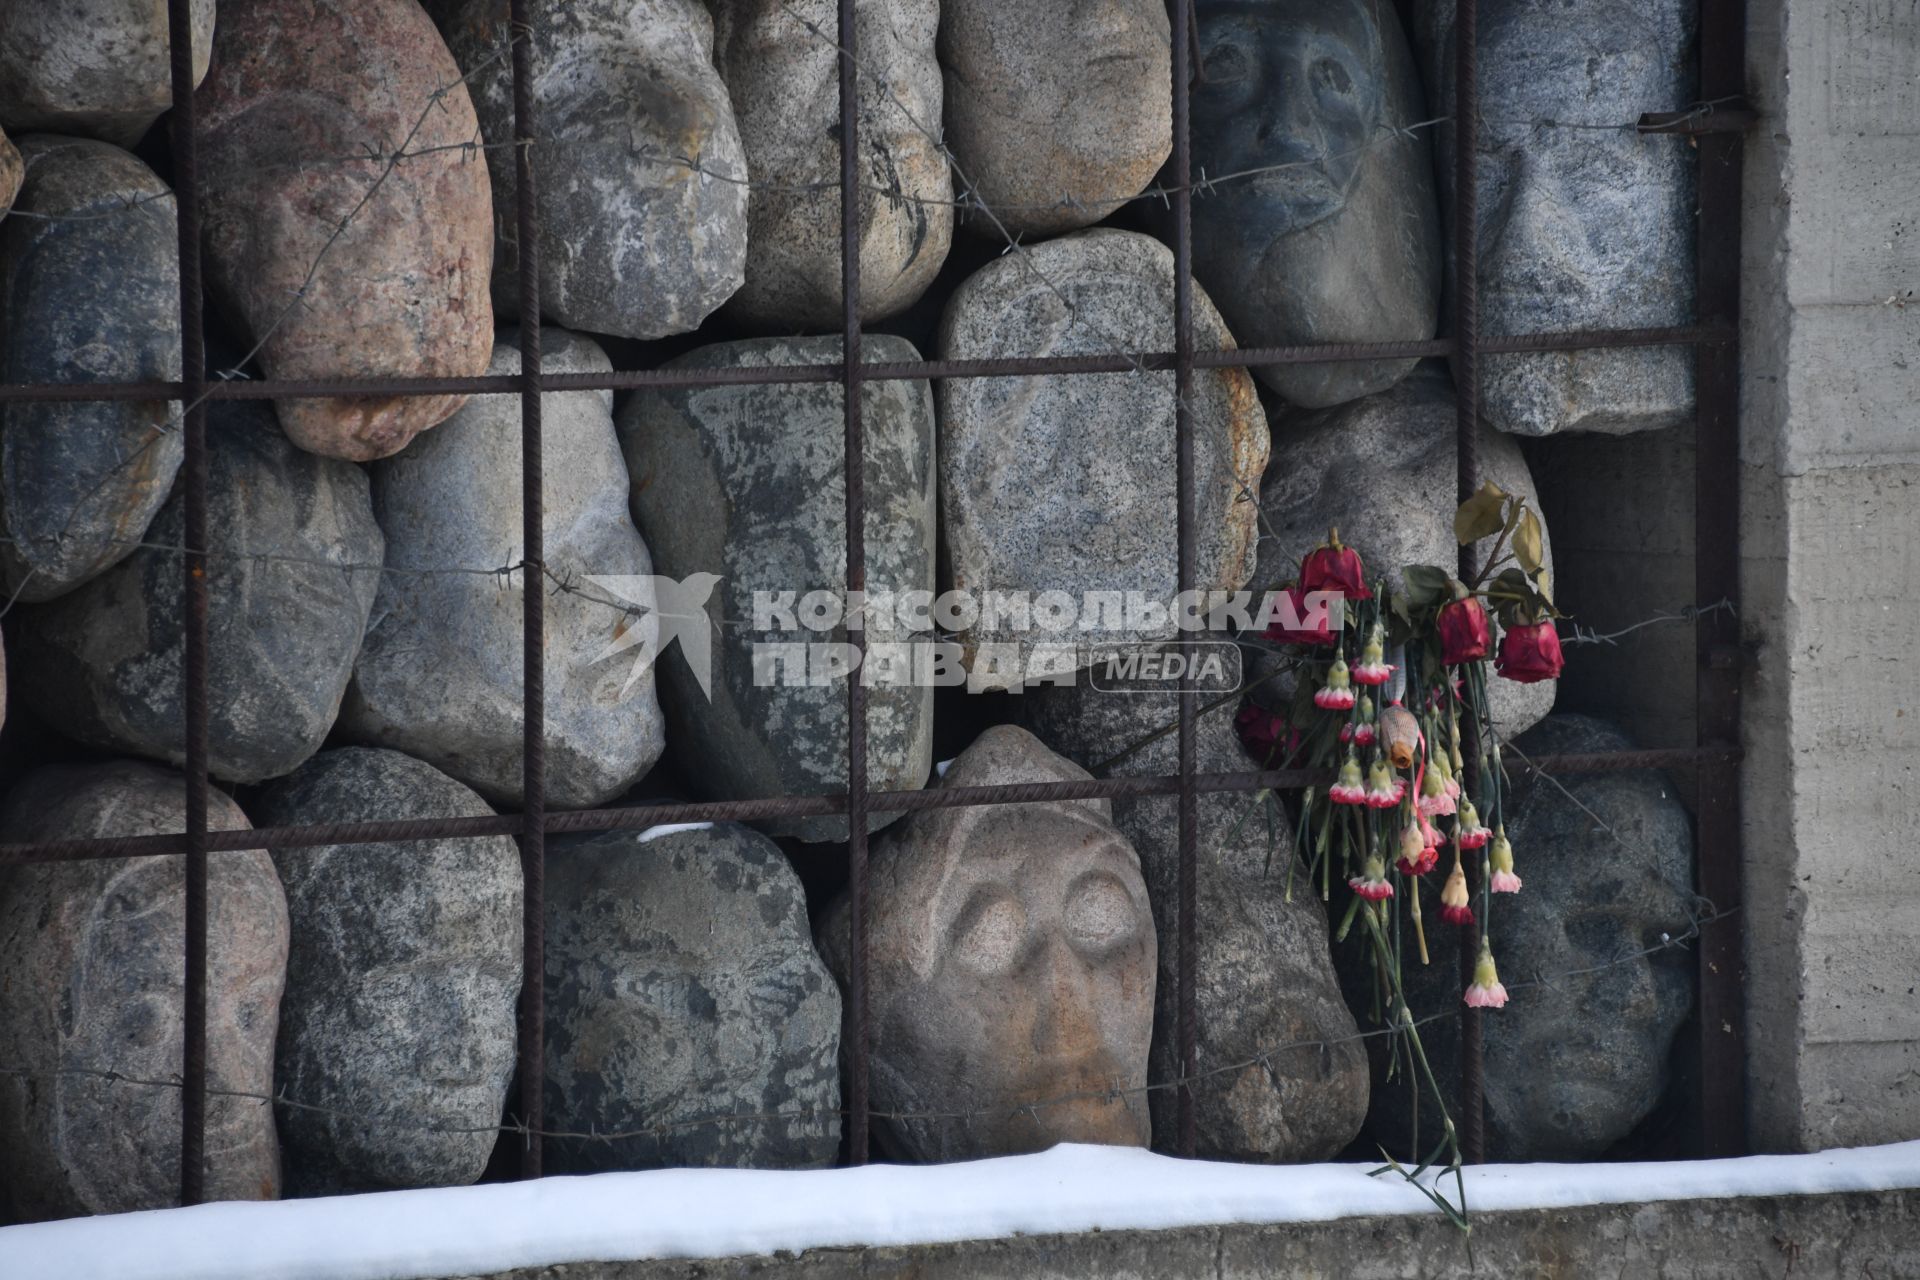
(1466, 377)
(193, 481)
(851, 370)
(1186, 994)
(533, 749)
(892, 371)
(571, 821)
(1721, 1104)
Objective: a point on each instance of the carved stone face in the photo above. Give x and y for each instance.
(1066, 99)
(1583, 224)
(682, 985)
(1012, 959)
(1324, 228)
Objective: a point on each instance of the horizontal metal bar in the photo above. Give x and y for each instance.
(584, 820)
(907, 370)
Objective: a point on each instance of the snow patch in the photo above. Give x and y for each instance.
(671, 828)
(709, 1213)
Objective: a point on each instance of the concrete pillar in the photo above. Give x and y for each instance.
(1831, 579)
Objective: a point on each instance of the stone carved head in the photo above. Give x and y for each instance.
(402, 980)
(1011, 962)
(1583, 223)
(1323, 227)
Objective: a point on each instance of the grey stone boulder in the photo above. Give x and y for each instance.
(89, 292)
(784, 80)
(748, 483)
(1584, 223)
(100, 68)
(440, 676)
(1576, 1059)
(11, 171)
(1010, 968)
(93, 980)
(643, 180)
(1058, 482)
(293, 561)
(1384, 471)
(682, 989)
(402, 980)
(1055, 115)
(1330, 233)
(1265, 984)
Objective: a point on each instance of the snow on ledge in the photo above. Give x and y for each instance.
(705, 1213)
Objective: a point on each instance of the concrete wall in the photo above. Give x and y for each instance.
(1874, 1235)
(1831, 506)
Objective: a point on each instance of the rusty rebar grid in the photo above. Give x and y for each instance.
(1714, 339)
(1466, 383)
(1186, 998)
(1720, 965)
(575, 821)
(531, 1051)
(193, 480)
(859, 1069)
(889, 371)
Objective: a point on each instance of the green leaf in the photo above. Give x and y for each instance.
(1480, 515)
(1426, 585)
(1527, 543)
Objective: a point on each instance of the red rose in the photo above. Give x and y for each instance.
(1335, 568)
(1530, 653)
(1261, 732)
(1463, 632)
(1316, 626)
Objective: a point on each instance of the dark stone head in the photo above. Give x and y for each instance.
(1315, 219)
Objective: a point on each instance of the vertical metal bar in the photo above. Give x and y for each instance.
(533, 583)
(1186, 999)
(1466, 377)
(1722, 1076)
(857, 1107)
(193, 478)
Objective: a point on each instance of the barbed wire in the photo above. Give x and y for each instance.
(1692, 613)
(1202, 186)
(1262, 1059)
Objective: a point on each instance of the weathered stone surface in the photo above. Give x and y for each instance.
(89, 292)
(1339, 240)
(643, 181)
(402, 979)
(93, 979)
(11, 171)
(1265, 980)
(440, 676)
(1583, 224)
(1383, 469)
(293, 561)
(1066, 482)
(1056, 116)
(1010, 974)
(341, 264)
(100, 68)
(682, 986)
(1571, 1068)
(749, 483)
(784, 80)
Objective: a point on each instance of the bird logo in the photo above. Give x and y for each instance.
(658, 612)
